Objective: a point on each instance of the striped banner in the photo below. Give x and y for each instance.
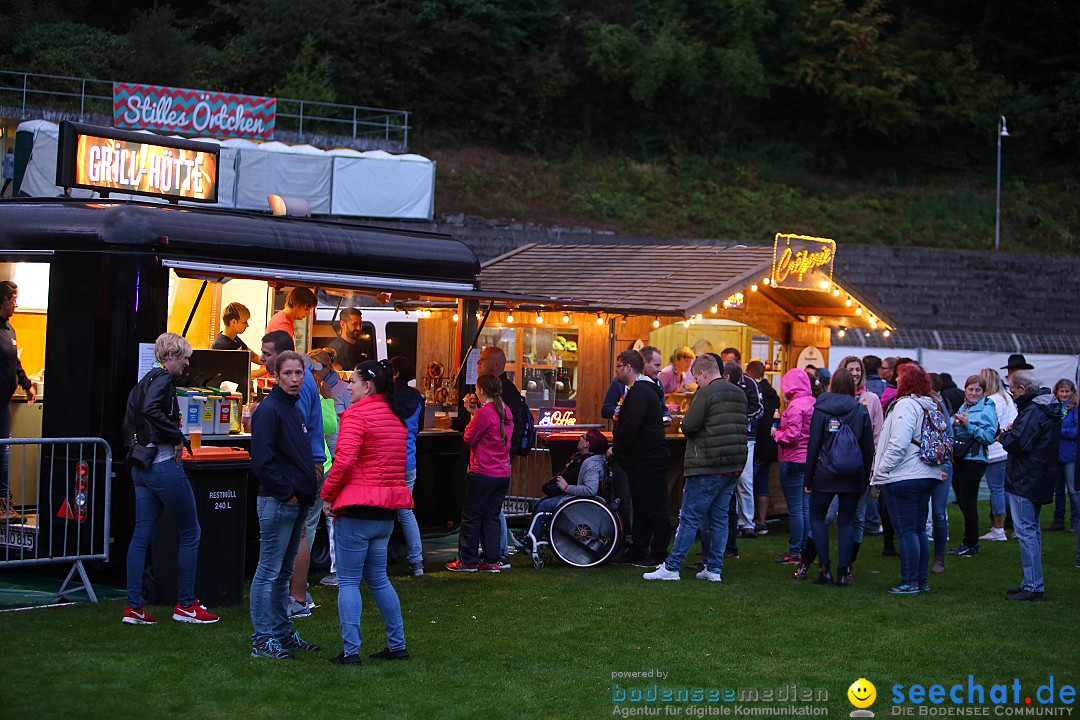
(193, 112)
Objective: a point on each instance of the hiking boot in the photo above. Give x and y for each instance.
(295, 642)
(662, 573)
(137, 617)
(459, 566)
(388, 654)
(270, 648)
(194, 613)
(344, 659)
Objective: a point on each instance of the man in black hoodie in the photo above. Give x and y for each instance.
(282, 460)
(639, 445)
(1030, 473)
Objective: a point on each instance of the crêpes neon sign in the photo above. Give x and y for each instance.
(106, 160)
(802, 263)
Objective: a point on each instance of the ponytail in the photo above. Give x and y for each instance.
(492, 387)
(381, 374)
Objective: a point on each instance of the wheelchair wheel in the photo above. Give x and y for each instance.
(584, 532)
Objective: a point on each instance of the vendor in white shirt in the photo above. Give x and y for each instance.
(676, 376)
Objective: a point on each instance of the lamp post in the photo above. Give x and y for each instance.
(1002, 131)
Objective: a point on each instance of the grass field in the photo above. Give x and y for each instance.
(545, 644)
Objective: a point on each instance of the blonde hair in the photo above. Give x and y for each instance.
(992, 381)
(171, 344)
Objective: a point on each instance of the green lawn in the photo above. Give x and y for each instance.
(545, 643)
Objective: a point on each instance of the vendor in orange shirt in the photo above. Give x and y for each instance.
(298, 305)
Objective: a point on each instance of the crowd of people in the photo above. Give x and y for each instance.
(875, 446)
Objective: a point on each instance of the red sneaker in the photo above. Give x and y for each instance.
(194, 613)
(459, 566)
(137, 617)
(488, 567)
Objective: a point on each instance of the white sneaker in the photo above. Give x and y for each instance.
(709, 575)
(662, 573)
(997, 534)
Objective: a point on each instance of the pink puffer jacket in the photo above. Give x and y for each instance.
(794, 432)
(369, 464)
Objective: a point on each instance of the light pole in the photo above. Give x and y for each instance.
(1002, 131)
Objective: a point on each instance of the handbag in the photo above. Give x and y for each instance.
(961, 447)
(551, 488)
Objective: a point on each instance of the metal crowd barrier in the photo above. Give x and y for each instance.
(59, 509)
(527, 475)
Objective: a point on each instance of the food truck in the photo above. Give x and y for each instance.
(119, 272)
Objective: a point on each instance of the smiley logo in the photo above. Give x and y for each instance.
(862, 693)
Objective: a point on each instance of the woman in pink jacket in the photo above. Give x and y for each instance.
(362, 493)
(488, 437)
(791, 440)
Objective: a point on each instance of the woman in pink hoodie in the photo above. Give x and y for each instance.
(791, 440)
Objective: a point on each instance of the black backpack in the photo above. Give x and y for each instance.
(842, 454)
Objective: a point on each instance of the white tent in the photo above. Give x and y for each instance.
(962, 364)
(339, 182)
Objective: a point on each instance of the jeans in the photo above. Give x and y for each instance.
(5, 452)
(908, 503)
(361, 556)
(280, 527)
(966, 485)
(651, 524)
(311, 523)
(1025, 517)
(408, 524)
(995, 480)
(480, 512)
(706, 498)
(939, 503)
(1065, 488)
(791, 482)
(746, 489)
(845, 519)
(163, 485)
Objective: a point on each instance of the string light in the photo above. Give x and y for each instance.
(566, 317)
(836, 292)
(765, 281)
(699, 316)
(599, 319)
(841, 333)
(753, 287)
(656, 323)
(858, 311)
(455, 317)
(510, 318)
(539, 319)
(848, 302)
(886, 334)
(713, 309)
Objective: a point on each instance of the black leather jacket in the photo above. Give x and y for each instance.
(152, 411)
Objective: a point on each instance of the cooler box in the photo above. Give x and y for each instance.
(219, 480)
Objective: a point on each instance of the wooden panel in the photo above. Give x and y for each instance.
(436, 337)
(30, 334)
(807, 334)
(594, 368)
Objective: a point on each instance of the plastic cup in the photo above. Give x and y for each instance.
(196, 437)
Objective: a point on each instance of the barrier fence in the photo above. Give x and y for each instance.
(528, 473)
(59, 505)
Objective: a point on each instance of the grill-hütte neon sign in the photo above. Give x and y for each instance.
(797, 257)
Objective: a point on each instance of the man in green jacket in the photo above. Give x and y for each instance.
(715, 428)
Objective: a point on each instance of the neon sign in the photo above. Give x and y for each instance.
(104, 159)
(802, 263)
(557, 418)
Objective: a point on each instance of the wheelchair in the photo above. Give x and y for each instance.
(583, 532)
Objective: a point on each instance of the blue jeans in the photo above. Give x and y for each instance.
(705, 498)
(5, 451)
(847, 504)
(908, 502)
(408, 524)
(1025, 517)
(939, 502)
(360, 546)
(280, 528)
(995, 480)
(1063, 489)
(163, 485)
(791, 482)
(761, 477)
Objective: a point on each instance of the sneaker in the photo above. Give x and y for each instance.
(270, 648)
(194, 613)
(645, 563)
(330, 579)
(1055, 526)
(298, 609)
(459, 566)
(295, 642)
(416, 569)
(629, 558)
(141, 617)
(800, 572)
(388, 654)
(731, 555)
(503, 565)
(964, 551)
(708, 575)
(873, 530)
(905, 589)
(995, 534)
(488, 567)
(939, 567)
(924, 588)
(1027, 596)
(344, 659)
(789, 558)
(309, 602)
(760, 529)
(662, 573)
(747, 532)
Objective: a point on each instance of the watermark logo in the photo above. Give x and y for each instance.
(862, 694)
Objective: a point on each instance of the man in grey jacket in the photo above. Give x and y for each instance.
(715, 427)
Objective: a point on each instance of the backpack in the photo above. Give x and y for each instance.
(528, 438)
(935, 444)
(843, 455)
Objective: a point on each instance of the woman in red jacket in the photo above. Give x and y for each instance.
(363, 490)
(488, 437)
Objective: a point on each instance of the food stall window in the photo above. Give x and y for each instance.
(401, 339)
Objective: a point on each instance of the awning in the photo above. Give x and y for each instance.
(673, 281)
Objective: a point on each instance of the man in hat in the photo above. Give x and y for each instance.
(1016, 362)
